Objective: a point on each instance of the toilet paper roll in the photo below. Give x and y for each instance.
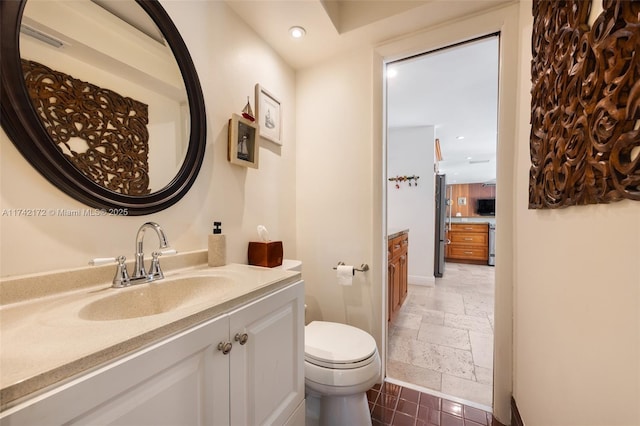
(345, 274)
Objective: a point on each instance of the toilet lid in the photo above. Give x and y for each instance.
(336, 345)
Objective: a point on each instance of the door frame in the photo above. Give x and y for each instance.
(504, 21)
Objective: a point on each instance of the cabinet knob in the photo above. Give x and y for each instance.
(225, 347)
(242, 338)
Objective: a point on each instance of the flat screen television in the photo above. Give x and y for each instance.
(486, 206)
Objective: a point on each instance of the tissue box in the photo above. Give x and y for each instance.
(267, 254)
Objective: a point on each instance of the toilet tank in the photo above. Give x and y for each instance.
(291, 265)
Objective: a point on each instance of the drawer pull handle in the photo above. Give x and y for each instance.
(242, 338)
(225, 347)
(468, 252)
(468, 239)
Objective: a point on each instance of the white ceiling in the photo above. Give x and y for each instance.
(461, 86)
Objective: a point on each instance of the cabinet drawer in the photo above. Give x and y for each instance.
(404, 242)
(468, 238)
(468, 252)
(471, 227)
(397, 245)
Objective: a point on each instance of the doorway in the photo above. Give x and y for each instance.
(442, 119)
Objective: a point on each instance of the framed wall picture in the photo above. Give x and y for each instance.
(268, 115)
(243, 143)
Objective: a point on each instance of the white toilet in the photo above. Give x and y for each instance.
(341, 364)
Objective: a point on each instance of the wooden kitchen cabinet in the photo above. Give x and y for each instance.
(245, 367)
(397, 256)
(468, 243)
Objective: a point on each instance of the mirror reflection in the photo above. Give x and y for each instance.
(108, 90)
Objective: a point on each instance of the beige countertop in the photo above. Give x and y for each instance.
(47, 339)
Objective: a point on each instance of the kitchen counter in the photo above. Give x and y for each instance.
(393, 233)
(471, 220)
(45, 339)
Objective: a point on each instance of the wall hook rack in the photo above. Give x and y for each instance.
(412, 180)
(363, 268)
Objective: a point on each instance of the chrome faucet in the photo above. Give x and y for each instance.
(140, 274)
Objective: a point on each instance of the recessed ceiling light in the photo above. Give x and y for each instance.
(469, 158)
(297, 32)
(459, 137)
(392, 72)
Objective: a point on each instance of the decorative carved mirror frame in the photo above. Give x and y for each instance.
(585, 104)
(25, 129)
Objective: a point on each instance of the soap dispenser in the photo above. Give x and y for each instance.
(217, 246)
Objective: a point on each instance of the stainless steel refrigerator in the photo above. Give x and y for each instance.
(440, 229)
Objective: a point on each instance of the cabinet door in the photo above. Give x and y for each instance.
(180, 381)
(391, 270)
(403, 262)
(267, 371)
(403, 278)
(394, 287)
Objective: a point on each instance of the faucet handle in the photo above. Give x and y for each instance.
(121, 278)
(165, 252)
(155, 271)
(98, 261)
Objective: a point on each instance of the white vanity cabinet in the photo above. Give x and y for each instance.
(267, 372)
(188, 380)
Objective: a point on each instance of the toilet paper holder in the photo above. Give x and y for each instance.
(363, 268)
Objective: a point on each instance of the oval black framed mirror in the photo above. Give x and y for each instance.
(32, 135)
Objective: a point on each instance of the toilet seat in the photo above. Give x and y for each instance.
(338, 346)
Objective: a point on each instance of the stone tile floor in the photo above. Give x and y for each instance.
(442, 338)
(391, 404)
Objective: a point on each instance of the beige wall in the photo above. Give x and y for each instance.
(339, 217)
(577, 299)
(230, 59)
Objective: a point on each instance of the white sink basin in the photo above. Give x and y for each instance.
(157, 297)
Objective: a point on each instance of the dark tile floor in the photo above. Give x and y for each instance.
(392, 404)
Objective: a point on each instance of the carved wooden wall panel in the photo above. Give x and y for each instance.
(113, 127)
(585, 107)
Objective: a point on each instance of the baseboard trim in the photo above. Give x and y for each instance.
(421, 280)
(516, 419)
